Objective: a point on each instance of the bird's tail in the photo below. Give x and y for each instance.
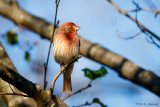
(67, 87)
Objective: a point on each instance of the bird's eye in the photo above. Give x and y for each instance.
(71, 26)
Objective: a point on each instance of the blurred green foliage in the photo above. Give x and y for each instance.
(95, 74)
(12, 37)
(27, 56)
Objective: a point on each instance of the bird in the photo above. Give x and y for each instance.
(66, 48)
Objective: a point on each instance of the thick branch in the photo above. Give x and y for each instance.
(12, 101)
(42, 97)
(16, 80)
(124, 67)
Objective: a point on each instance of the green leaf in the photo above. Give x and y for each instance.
(95, 74)
(96, 100)
(27, 56)
(12, 38)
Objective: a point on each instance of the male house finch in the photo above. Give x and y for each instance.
(66, 48)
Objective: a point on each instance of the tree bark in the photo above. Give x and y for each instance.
(42, 98)
(121, 65)
(10, 100)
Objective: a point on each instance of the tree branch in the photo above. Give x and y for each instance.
(32, 90)
(124, 67)
(144, 9)
(12, 101)
(42, 98)
(88, 86)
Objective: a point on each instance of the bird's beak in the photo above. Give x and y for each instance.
(76, 28)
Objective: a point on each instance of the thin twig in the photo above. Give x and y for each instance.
(144, 9)
(143, 28)
(95, 100)
(131, 37)
(85, 104)
(140, 9)
(151, 10)
(60, 72)
(146, 33)
(11, 88)
(152, 6)
(152, 41)
(2, 93)
(88, 86)
(55, 26)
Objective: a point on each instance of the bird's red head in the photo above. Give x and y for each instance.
(70, 27)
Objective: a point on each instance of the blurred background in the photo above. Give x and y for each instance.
(99, 22)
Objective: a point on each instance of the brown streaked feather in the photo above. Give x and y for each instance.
(67, 87)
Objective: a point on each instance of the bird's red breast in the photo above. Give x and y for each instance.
(66, 43)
